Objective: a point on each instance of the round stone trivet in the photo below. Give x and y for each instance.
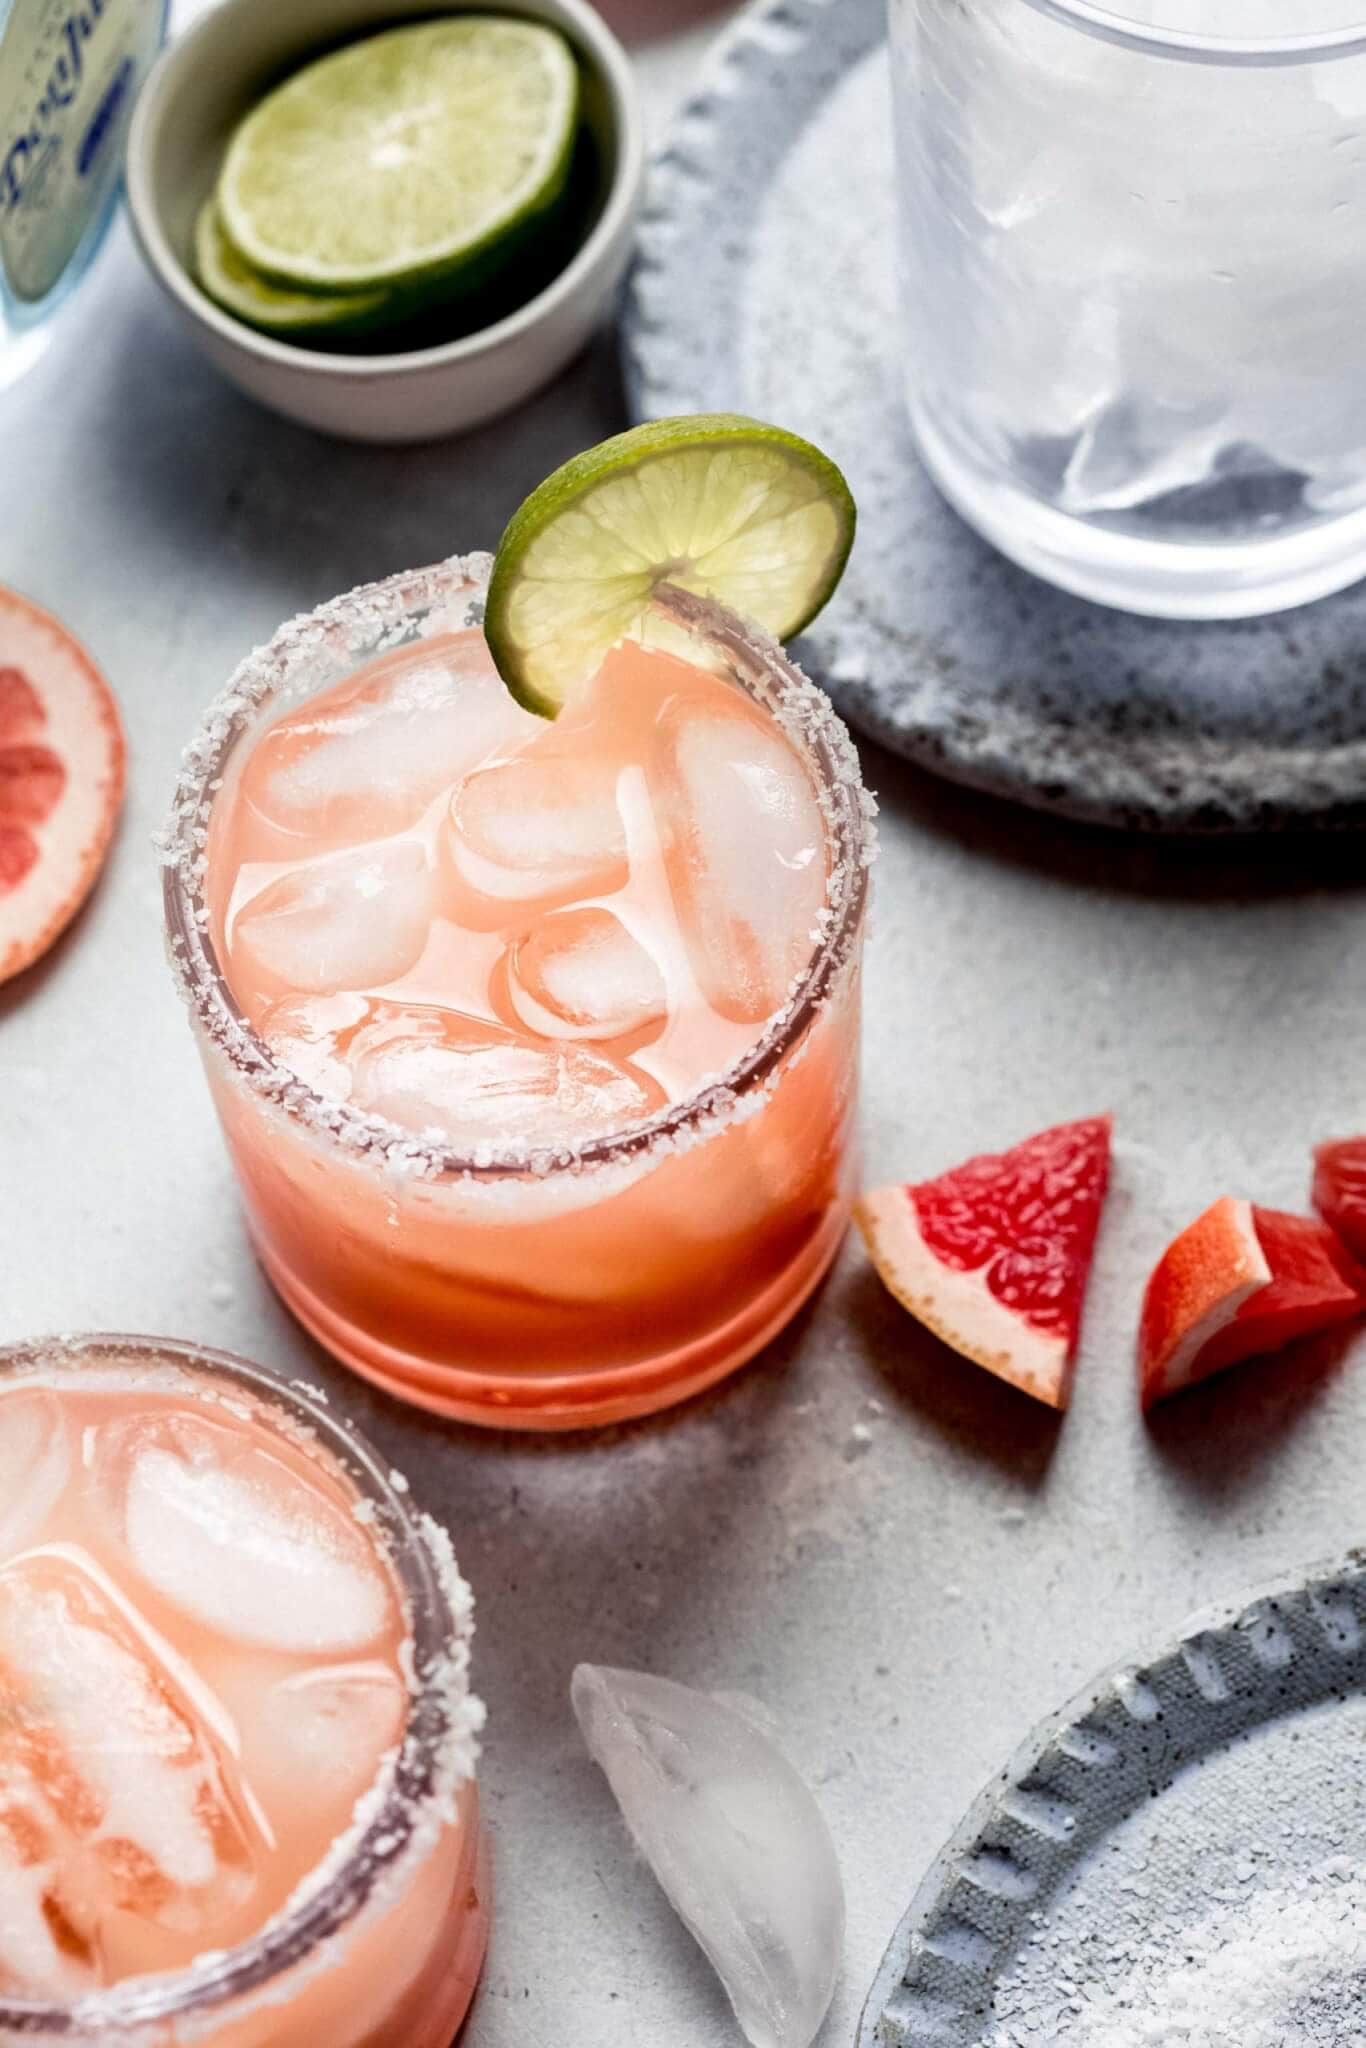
(765, 284)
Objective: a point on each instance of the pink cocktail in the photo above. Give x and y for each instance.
(237, 1803)
(535, 1044)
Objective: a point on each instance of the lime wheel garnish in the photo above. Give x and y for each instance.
(717, 504)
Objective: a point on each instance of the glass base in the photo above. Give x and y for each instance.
(450, 2003)
(546, 1401)
(1237, 579)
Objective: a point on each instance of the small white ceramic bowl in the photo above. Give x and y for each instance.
(196, 94)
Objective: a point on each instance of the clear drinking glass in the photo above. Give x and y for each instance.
(1134, 267)
(381, 1946)
(585, 1281)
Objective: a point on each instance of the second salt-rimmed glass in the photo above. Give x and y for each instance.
(550, 1286)
(381, 1946)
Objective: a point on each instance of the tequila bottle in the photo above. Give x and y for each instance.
(70, 71)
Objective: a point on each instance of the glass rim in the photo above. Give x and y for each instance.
(802, 711)
(435, 1761)
(1100, 18)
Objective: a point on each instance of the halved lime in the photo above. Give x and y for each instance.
(405, 158)
(721, 505)
(242, 291)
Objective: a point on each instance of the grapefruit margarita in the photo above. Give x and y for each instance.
(236, 1743)
(534, 1042)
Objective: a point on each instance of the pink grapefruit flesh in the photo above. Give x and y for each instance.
(61, 779)
(994, 1256)
(1340, 1190)
(1240, 1281)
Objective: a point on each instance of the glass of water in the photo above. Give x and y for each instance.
(1134, 271)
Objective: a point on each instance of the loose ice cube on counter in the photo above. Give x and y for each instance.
(476, 1084)
(350, 921)
(232, 1537)
(745, 852)
(580, 974)
(370, 757)
(734, 1837)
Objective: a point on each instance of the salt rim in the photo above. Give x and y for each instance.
(374, 619)
(397, 1821)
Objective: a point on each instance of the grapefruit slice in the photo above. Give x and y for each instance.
(61, 779)
(1340, 1190)
(994, 1256)
(1239, 1282)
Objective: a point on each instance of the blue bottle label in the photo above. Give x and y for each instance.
(69, 73)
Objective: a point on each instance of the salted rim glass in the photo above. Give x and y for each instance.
(1339, 32)
(323, 647)
(397, 1821)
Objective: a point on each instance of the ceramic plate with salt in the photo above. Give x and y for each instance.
(1175, 1861)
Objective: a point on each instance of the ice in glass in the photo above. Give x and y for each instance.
(1133, 267)
(535, 1042)
(236, 1744)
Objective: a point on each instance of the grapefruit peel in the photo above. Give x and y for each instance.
(62, 764)
(1239, 1282)
(994, 1255)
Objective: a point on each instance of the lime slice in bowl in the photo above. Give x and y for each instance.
(721, 505)
(242, 291)
(406, 159)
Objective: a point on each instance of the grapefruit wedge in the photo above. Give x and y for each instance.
(1340, 1190)
(994, 1256)
(1239, 1282)
(61, 779)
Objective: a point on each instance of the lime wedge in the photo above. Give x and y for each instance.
(242, 291)
(406, 158)
(721, 505)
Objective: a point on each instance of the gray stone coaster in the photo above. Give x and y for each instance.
(765, 284)
(1184, 1838)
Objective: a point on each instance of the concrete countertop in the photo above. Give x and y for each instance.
(908, 1562)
